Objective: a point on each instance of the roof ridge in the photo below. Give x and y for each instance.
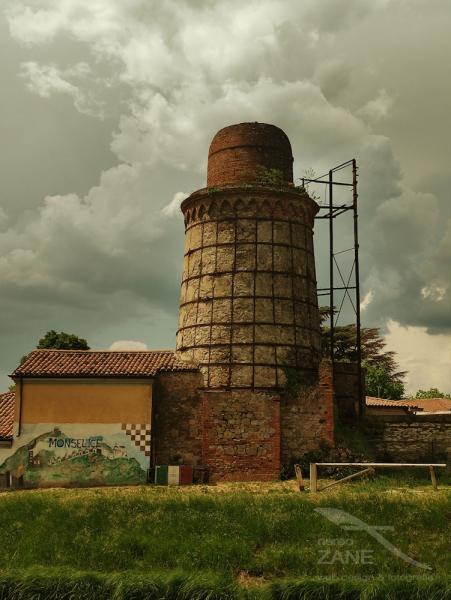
(438, 398)
(99, 363)
(407, 400)
(91, 351)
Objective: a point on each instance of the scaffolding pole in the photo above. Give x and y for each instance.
(331, 211)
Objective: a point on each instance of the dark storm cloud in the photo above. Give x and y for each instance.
(111, 107)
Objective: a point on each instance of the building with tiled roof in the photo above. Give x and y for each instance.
(408, 405)
(432, 405)
(89, 417)
(103, 363)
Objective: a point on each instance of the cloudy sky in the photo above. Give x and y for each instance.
(107, 111)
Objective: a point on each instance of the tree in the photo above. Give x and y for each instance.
(431, 393)
(59, 341)
(62, 341)
(379, 382)
(382, 375)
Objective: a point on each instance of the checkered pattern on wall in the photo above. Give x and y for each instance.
(139, 435)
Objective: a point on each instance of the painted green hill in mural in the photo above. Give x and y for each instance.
(95, 468)
(84, 471)
(20, 457)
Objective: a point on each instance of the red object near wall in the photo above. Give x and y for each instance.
(186, 475)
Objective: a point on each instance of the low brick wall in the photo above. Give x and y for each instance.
(410, 437)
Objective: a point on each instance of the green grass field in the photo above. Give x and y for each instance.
(257, 538)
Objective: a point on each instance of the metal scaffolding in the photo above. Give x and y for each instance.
(346, 286)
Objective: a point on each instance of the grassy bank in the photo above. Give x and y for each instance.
(59, 584)
(265, 531)
(260, 537)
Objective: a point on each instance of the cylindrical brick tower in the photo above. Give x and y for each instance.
(248, 308)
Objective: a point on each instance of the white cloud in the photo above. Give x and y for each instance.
(45, 80)
(367, 299)
(106, 241)
(87, 21)
(426, 357)
(178, 131)
(173, 208)
(377, 108)
(128, 345)
(434, 292)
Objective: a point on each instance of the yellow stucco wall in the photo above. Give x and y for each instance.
(85, 401)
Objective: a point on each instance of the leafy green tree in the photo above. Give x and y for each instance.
(431, 393)
(379, 382)
(382, 375)
(62, 341)
(59, 341)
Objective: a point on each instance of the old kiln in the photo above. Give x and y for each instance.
(249, 311)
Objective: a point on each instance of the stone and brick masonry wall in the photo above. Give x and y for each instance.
(307, 417)
(235, 434)
(410, 437)
(177, 419)
(250, 435)
(241, 435)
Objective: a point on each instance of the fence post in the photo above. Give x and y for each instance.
(433, 477)
(313, 478)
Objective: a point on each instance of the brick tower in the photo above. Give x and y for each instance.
(248, 311)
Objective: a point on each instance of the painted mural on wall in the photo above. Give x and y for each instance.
(78, 454)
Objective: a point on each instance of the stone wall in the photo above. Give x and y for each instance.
(403, 438)
(177, 419)
(241, 435)
(307, 416)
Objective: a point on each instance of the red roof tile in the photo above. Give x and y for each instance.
(423, 404)
(371, 401)
(433, 404)
(105, 363)
(7, 400)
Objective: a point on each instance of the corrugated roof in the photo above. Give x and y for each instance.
(104, 363)
(422, 404)
(7, 414)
